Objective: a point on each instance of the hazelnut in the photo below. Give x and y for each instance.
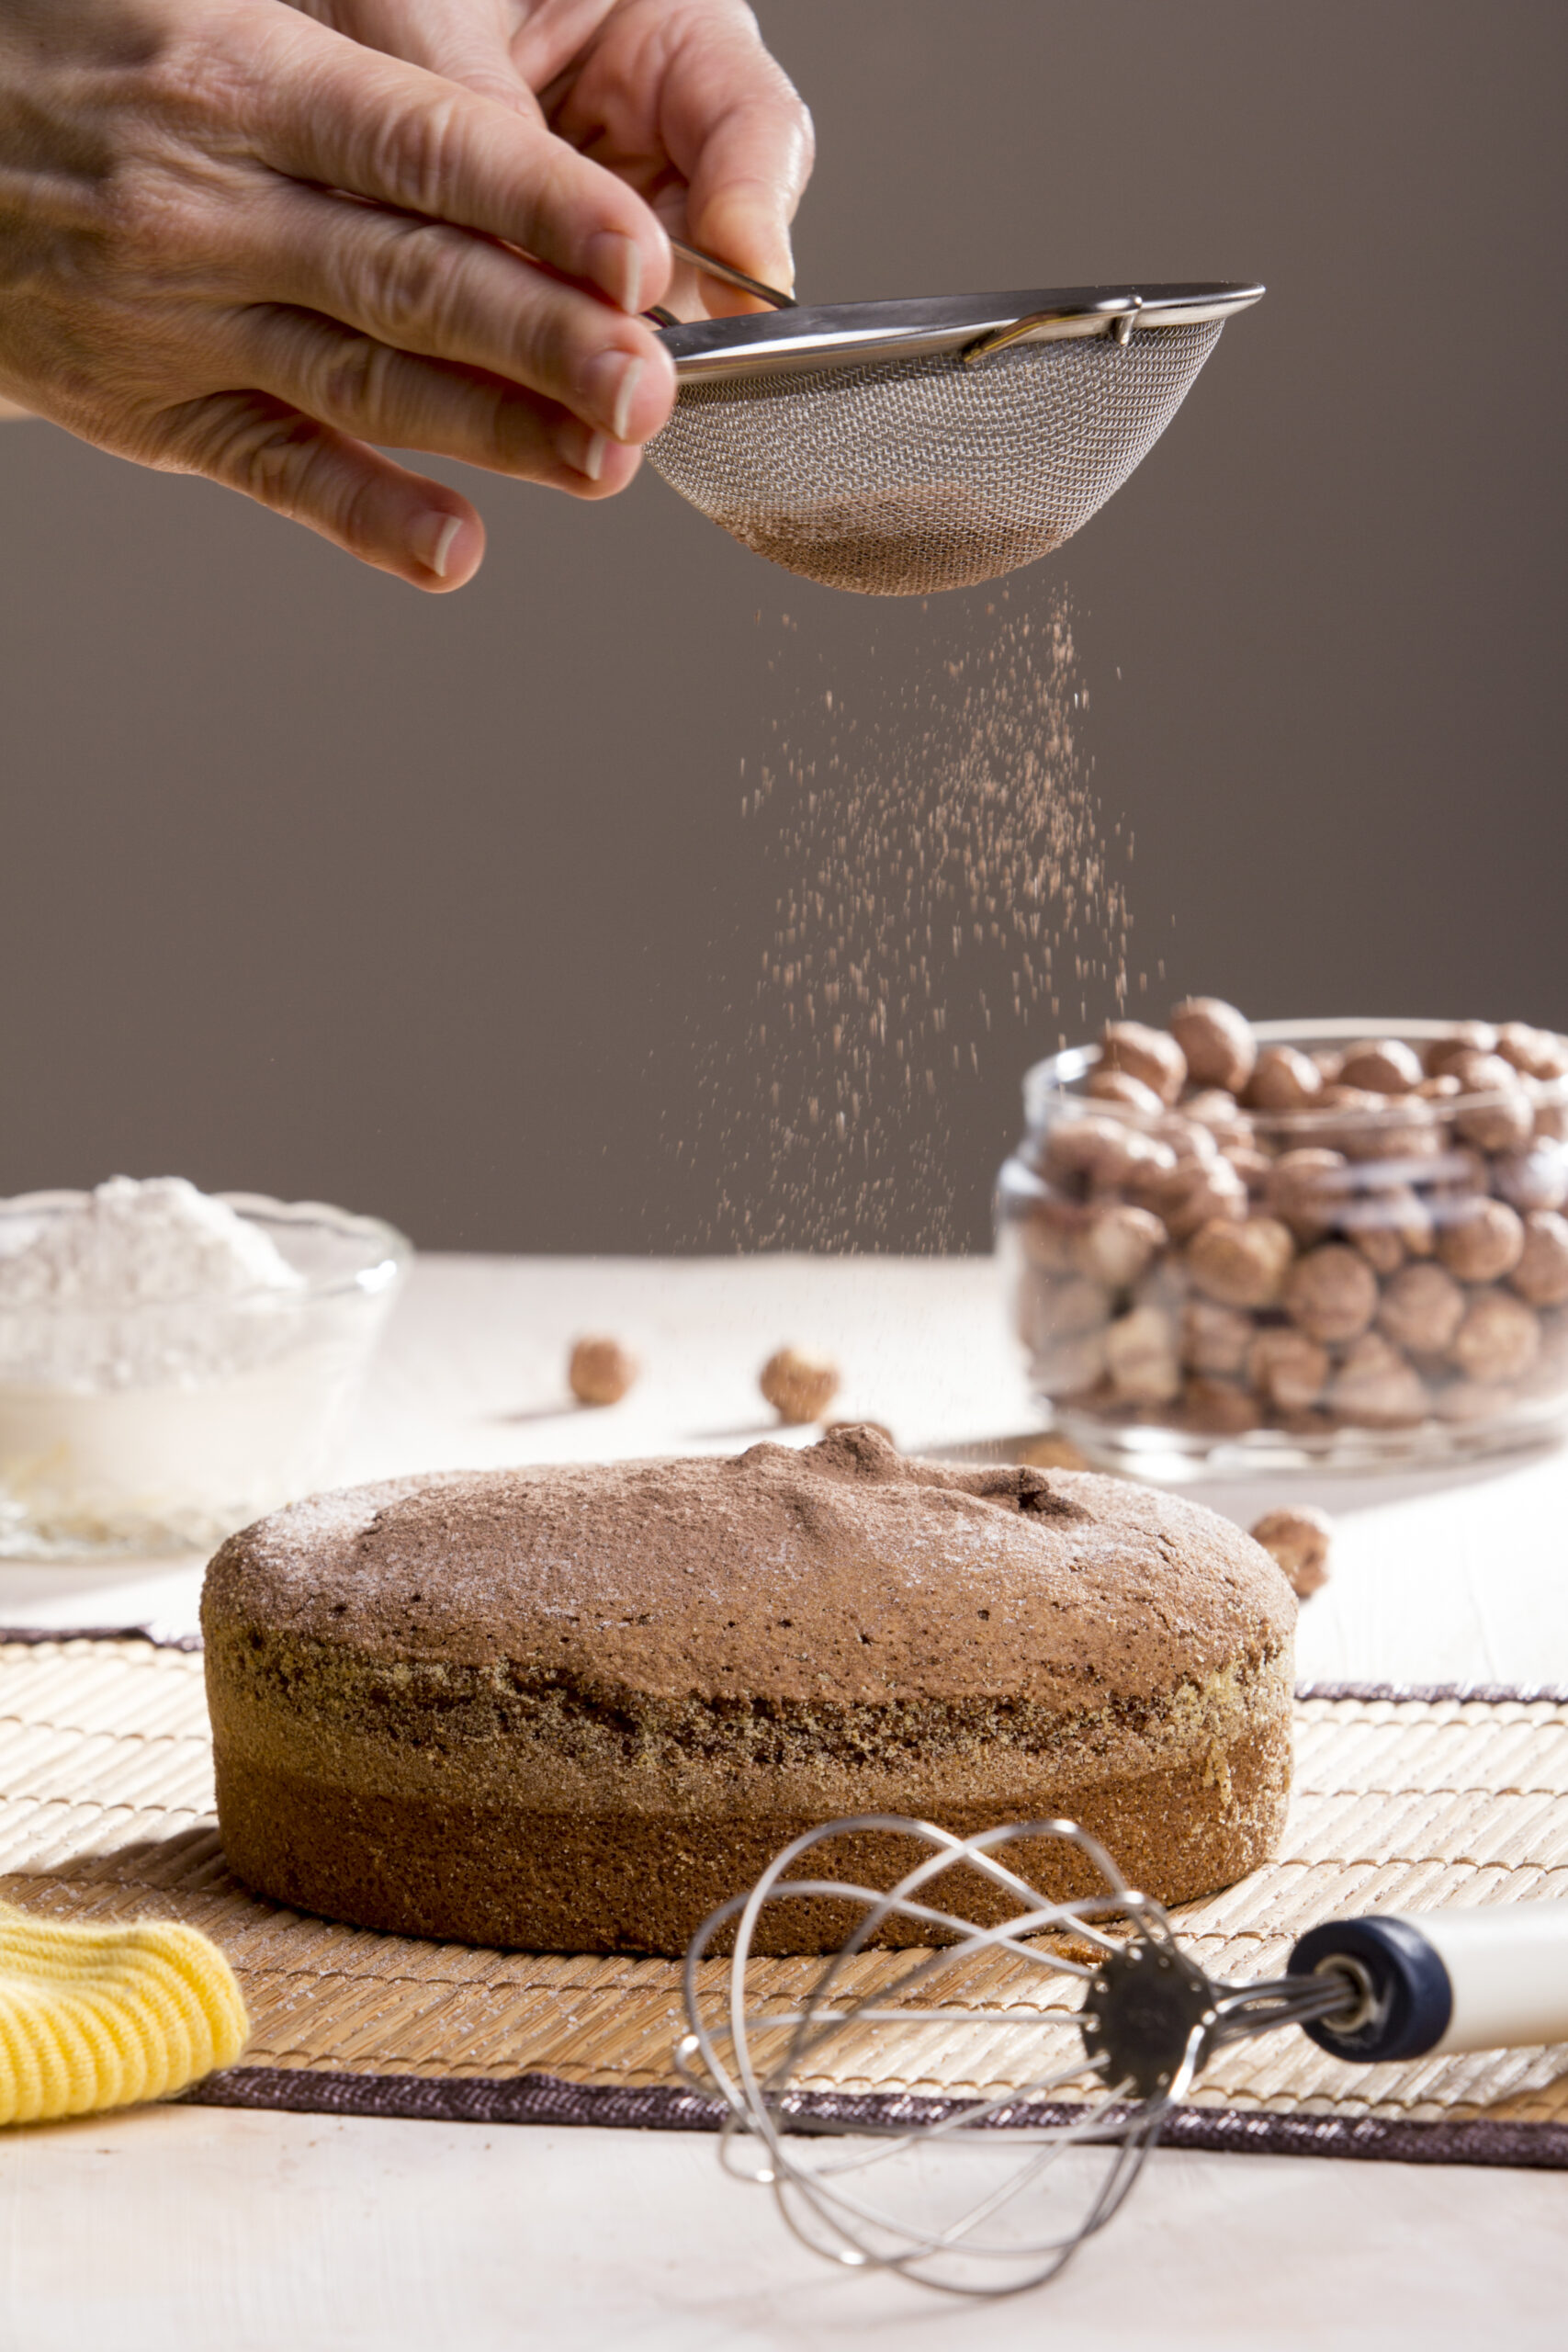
(1069, 1308)
(1215, 1339)
(1501, 1117)
(1330, 1062)
(1541, 1275)
(1064, 1366)
(1121, 1244)
(1536, 1179)
(1536, 1052)
(1498, 1339)
(1140, 1357)
(1437, 1089)
(1053, 1451)
(1384, 1065)
(1288, 1369)
(1421, 1309)
(1252, 1167)
(1470, 1400)
(1283, 1080)
(1305, 1189)
(1464, 1037)
(1189, 1197)
(1102, 1151)
(1219, 1409)
(799, 1387)
(1548, 1100)
(600, 1371)
(1144, 1053)
(1189, 1138)
(1120, 1086)
(1331, 1293)
(1216, 1041)
(1375, 1387)
(1480, 1240)
(1222, 1115)
(1387, 1226)
(1051, 1236)
(1300, 1541)
(1240, 1264)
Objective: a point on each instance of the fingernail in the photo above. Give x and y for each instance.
(431, 540)
(613, 379)
(614, 263)
(582, 450)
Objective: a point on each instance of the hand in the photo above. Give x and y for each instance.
(234, 243)
(679, 98)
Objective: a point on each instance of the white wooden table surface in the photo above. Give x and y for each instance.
(192, 2228)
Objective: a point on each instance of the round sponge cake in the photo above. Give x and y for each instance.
(577, 1709)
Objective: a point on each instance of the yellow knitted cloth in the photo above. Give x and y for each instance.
(103, 2016)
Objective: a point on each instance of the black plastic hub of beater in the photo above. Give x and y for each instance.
(1140, 2013)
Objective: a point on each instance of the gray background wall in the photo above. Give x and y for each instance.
(448, 909)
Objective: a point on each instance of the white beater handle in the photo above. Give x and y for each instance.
(1507, 1966)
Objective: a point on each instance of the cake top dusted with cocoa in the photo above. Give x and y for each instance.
(838, 1572)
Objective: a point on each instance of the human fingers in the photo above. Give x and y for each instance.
(367, 389)
(299, 466)
(422, 288)
(343, 117)
(468, 41)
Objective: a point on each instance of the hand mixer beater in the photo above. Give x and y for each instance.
(1117, 2021)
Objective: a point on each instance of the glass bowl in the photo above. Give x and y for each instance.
(199, 1414)
(1377, 1283)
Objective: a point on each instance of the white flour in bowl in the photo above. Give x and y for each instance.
(119, 1293)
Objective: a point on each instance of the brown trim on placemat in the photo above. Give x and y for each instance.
(34, 1634)
(545, 2098)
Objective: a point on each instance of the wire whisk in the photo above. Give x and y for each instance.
(1106, 2024)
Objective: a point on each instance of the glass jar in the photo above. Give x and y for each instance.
(1378, 1281)
(199, 1414)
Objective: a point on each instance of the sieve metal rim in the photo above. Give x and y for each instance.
(871, 334)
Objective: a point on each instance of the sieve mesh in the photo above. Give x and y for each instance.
(921, 474)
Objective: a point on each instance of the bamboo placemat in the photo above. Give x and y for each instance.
(1404, 1800)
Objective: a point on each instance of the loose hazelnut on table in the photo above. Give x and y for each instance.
(1140, 1357)
(1383, 1065)
(1300, 1541)
(1215, 1339)
(1331, 1293)
(799, 1387)
(1121, 1244)
(1284, 1079)
(1541, 1273)
(1480, 1240)
(1240, 1265)
(1216, 1042)
(1288, 1369)
(600, 1371)
(1498, 1340)
(1421, 1309)
(1120, 1086)
(1375, 1387)
(1144, 1053)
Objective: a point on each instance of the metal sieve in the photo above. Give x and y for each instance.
(894, 449)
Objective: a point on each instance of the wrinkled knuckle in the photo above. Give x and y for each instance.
(417, 150)
(414, 287)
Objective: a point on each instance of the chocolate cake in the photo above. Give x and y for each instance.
(575, 1709)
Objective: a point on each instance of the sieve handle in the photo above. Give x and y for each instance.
(1491, 1978)
(712, 267)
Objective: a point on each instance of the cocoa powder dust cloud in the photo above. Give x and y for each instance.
(947, 893)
